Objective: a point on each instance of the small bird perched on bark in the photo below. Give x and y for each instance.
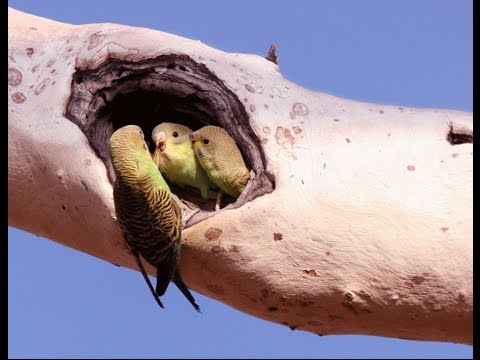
(149, 218)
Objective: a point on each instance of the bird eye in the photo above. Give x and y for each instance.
(175, 134)
(206, 141)
(140, 132)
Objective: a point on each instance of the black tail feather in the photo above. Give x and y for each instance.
(147, 280)
(183, 288)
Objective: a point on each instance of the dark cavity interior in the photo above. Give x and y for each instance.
(167, 88)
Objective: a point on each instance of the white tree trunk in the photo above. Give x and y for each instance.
(368, 229)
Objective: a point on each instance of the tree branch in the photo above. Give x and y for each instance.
(358, 221)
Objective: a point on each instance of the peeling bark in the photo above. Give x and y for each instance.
(358, 219)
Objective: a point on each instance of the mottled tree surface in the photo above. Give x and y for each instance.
(358, 219)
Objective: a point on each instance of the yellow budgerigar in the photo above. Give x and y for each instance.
(220, 157)
(175, 158)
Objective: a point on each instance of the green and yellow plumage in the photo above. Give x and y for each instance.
(175, 158)
(149, 218)
(221, 159)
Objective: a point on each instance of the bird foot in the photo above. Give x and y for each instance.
(219, 200)
(188, 214)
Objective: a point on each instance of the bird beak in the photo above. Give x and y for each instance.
(159, 138)
(194, 136)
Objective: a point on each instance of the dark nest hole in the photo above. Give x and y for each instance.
(167, 88)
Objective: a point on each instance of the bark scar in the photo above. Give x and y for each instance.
(459, 135)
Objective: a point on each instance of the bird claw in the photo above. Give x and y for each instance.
(219, 200)
(188, 214)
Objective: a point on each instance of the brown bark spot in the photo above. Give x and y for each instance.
(85, 186)
(217, 249)
(348, 140)
(272, 308)
(50, 62)
(29, 51)
(18, 98)
(14, 77)
(381, 111)
(300, 109)
(42, 86)
(265, 106)
(297, 129)
(310, 272)
(217, 289)
(283, 136)
(35, 68)
(324, 166)
(234, 248)
(33, 28)
(455, 155)
(336, 119)
(411, 168)
(95, 40)
(277, 236)
(250, 88)
(252, 108)
(328, 253)
(444, 229)
(417, 280)
(213, 234)
(306, 303)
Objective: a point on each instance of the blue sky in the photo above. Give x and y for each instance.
(63, 303)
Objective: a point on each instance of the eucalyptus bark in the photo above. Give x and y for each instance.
(359, 218)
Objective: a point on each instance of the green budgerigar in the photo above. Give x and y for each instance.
(221, 159)
(175, 158)
(149, 218)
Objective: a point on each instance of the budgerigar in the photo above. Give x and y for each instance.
(221, 159)
(149, 218)
(175, 158)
